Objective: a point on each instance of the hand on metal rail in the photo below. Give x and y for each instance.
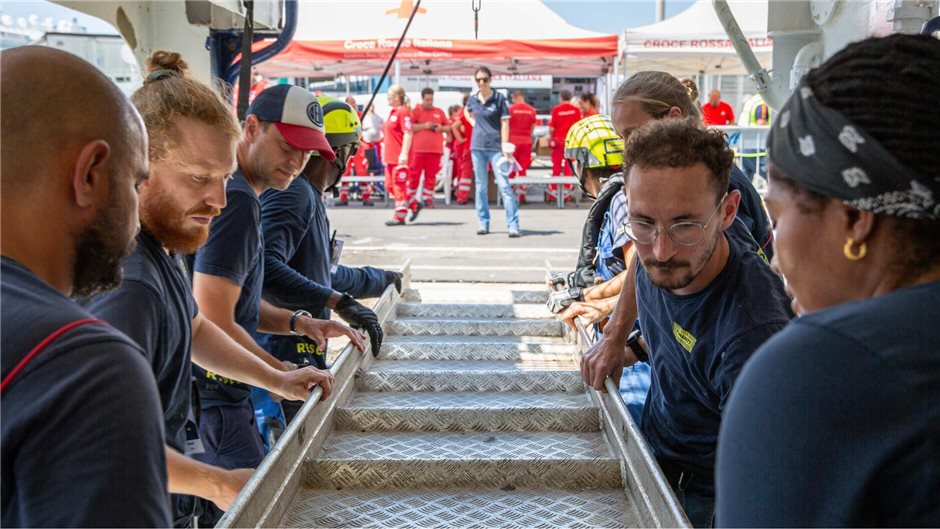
(296, 385)
(228, 483)
(606, 358)
(393, 278)
(589, 314)
(320, 330)
(359, 316)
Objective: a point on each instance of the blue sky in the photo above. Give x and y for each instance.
(610, 16)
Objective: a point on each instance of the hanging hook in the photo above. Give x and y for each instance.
(475, 5)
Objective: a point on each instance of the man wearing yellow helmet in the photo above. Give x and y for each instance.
(301, 260)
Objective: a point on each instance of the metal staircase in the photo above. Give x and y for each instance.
(474, 415)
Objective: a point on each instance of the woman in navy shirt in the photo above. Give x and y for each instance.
(488, 111)
(834, 421)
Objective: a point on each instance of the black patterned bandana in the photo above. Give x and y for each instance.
(824, 152)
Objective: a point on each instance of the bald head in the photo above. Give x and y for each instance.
(54, 103)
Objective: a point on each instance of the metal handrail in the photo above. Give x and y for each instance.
(294, 438)
(663, 513)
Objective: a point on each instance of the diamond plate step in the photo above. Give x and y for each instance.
(464, 459)
(477, 411)
(479, 310)
(476, 293)
(477, 348)
(429, 375)
(464, 508)
(474, 327)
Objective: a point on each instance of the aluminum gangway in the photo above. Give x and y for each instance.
(473, 415)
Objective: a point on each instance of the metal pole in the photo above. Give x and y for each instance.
(397, 72)
(660, 10)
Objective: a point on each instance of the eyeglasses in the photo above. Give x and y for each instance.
(482, 80)
(686, 233)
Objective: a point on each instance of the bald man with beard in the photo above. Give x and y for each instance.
(82, 430)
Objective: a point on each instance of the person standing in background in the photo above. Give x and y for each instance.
(564, 115)
(489, 113)
(716, 111)
(465, 163)
(522, 120)
(429, 126)
(395, 150)
(589, 104)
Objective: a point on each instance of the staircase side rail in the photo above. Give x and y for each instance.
(270, 491)
(644, 483)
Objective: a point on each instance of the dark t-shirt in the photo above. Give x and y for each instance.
(488, 116)
(234, 251)
(155, 307)
(751, 211)
(297, 263)
(697, 345)
(82, 435)
(835, 422)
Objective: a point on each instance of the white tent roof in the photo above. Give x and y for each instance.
(694, 41)
(354, 37)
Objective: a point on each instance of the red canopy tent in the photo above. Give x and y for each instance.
(515, 37)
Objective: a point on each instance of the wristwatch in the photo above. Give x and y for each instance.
(293, 321)
(633, 343)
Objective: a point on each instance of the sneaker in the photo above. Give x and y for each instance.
(414, 212)
(482, 231)
(341, 203)
(514, 233)
(367, 203)
(395, 222)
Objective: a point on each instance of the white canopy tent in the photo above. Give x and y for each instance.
(693, 42)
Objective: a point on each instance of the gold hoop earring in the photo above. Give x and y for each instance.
(847, 250)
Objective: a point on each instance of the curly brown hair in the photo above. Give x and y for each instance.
(680, 143)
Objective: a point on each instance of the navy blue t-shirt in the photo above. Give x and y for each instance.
(697, 344)
(155, 307)
(234, 251)
(297, 264)
(82, 430)
(488, 116)
(835, 422)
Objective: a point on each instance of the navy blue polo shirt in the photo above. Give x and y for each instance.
(297, 265)
(488, 116)
(697, 344)
(82, 429)
(234, 251)
(835, 421)
(155, 307)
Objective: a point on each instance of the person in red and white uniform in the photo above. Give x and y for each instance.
(564, 115)
(465, 169)
(589, 104)
(716, 111)
(358, 165)
(522, 120)
(395, 150)
(429, 125)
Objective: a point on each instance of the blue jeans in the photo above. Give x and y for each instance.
(634, 386)
(480, 160)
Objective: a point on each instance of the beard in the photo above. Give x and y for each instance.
(166, 221)
(99, 254)
(674, 274)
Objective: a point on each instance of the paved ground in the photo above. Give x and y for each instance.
(443, 244)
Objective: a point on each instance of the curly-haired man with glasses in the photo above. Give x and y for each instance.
(705, 299)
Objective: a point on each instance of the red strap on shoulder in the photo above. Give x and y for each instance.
(42, 345)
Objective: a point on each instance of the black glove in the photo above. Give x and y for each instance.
(393, 277)
(359, 316)
(558, 279)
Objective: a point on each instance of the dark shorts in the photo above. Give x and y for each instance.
(230, 436)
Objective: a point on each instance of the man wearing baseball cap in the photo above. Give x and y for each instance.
(283, 128)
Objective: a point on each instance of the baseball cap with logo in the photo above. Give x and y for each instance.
(297, 115)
